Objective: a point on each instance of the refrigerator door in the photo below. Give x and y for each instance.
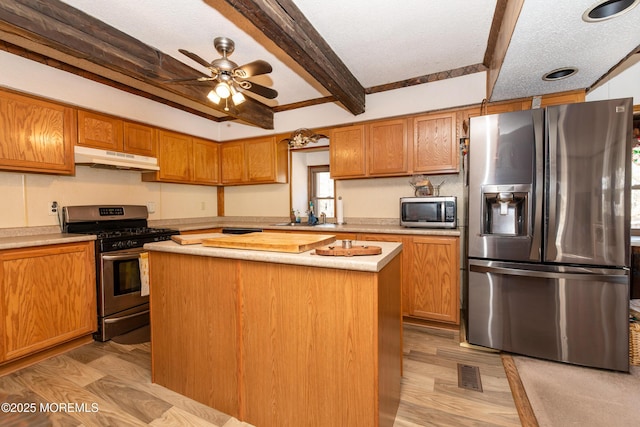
(589, 181)
(577, 315)
(505, 186)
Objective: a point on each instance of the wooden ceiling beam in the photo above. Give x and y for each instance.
(284, 24)
(53, 26)
(502, 28)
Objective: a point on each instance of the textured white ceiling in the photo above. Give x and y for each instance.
(383, 42)
(551, 34)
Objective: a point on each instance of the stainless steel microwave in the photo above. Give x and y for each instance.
(428, 212)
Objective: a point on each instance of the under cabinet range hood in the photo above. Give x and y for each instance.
(108, 159)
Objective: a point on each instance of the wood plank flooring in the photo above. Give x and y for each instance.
(109, 384)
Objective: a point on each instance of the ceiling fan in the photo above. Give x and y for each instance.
(227, 78)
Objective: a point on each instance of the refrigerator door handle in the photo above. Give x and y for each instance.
(617, 278)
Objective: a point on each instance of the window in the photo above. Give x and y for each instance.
(322, 190)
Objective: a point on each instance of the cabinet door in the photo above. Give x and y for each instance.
(206, 161)
(233, 169)
(140, 139)
(434, 271)
(260, 158)
(99, 131)
(47, 296)
(435, 146)
(387, 148)
(347, 152)
(36, 136)
(174, 156)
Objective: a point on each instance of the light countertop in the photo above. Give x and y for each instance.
(13, 238)
(16, 242)
(371, 263)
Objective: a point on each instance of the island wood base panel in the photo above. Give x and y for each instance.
(278, 344)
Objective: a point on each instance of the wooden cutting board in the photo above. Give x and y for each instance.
(193, 239)
(275, 242)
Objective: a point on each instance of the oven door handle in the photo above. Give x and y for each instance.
(129, 316)
(121, 256)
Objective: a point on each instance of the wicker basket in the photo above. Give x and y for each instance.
(634, 343)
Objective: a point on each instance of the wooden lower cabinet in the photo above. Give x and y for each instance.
(47, 297)
(434, 278)
(430, 275)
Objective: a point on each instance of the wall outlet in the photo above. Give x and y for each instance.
(52, 208)
(151, 207)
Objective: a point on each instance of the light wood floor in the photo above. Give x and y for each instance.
(109, 384)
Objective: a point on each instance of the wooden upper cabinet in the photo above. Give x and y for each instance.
(112, 133)
(140, 139)
(175, 153)
(260, 157)
(206, 161)
(435, 145)
(36, 135)
(232, 168)
(99, 131)
(254, 161)
(185, 159)
(347, 152)
(387, 147)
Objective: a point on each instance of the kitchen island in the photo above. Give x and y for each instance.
(279, 339)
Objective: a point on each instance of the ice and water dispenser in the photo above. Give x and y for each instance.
(505, 210)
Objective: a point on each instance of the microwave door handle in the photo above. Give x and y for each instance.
(442, 211)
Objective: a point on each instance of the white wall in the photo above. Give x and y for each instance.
(623, 84)
(465, 90)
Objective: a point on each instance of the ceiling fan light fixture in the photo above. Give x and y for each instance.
(222, 90)
(237, 97)
(213, 97)
(227, 78)
(608, 9)
(559, 74)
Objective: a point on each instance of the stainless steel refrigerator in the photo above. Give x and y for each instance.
(549, 222)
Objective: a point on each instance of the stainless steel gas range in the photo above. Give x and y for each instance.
(121, 232)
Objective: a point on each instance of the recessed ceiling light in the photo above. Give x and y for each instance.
(560, 73)
(608, 9)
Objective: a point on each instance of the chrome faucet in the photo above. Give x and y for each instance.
(323, 218)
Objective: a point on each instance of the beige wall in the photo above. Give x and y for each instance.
(28, 196)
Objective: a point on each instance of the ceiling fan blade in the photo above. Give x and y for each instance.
(251, 69)
(263, 91)
(195, 57)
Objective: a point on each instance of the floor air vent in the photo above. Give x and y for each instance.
(469, 377)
